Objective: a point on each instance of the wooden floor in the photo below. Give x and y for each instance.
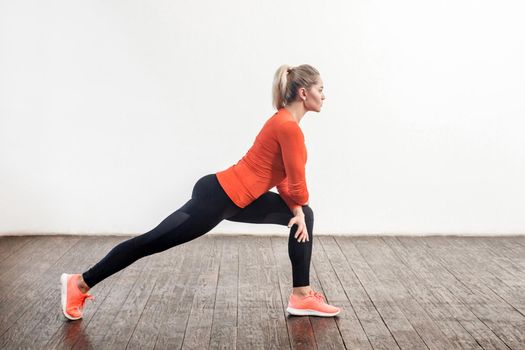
(231, 292)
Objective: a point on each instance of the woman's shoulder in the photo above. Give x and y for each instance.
(288, 128)
(280, 124)
(283, 118)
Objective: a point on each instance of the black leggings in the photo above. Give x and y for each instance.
(208, 206)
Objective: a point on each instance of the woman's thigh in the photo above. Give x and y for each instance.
(269, 208)
(208, 206)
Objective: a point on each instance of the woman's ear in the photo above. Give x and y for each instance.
(302, 93)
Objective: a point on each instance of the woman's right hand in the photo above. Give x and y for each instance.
(302, 233)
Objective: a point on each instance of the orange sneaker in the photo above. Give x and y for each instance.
(71, 297)
(312, 304)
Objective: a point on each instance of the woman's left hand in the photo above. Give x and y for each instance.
(302, 233)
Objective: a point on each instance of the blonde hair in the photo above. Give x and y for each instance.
(288, 80)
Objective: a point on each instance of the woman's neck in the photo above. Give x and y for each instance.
(297, 110)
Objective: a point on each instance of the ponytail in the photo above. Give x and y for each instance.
(279, 86)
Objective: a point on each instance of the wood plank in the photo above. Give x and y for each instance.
(272, 311)
(42, 251)
(198, 329)
(514, 243)
(349, 325)
(70, 333)
(494, 272)
(22, 292)
(179, 302)
(404, 286)
(518, 240)
(371, 320)
(250, 328)
(446, 288)
(502, 253)
(224, 326)
(147, 329)
(300, 330)
(10, 245)
(325, 328)
(324, 280)
(36, 245)
(43, 316)
(515, 249)
(405, 319)
(502, 318)
(94, 333)
(488, 309)
(122, 327)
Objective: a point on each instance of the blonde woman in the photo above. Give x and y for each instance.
(239, 193)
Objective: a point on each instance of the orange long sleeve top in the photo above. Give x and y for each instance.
(277, 158)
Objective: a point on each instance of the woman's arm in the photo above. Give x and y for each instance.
(293, 188)
(284, 192)
(293, 151)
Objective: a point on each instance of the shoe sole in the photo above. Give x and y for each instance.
(63, 296)
(308, 312)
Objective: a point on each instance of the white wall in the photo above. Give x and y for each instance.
(111, 110)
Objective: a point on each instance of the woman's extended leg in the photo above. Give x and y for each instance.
(208, 206)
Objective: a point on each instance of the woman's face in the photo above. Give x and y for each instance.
(314, 96)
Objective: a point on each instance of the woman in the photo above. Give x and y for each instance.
(239, 193)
